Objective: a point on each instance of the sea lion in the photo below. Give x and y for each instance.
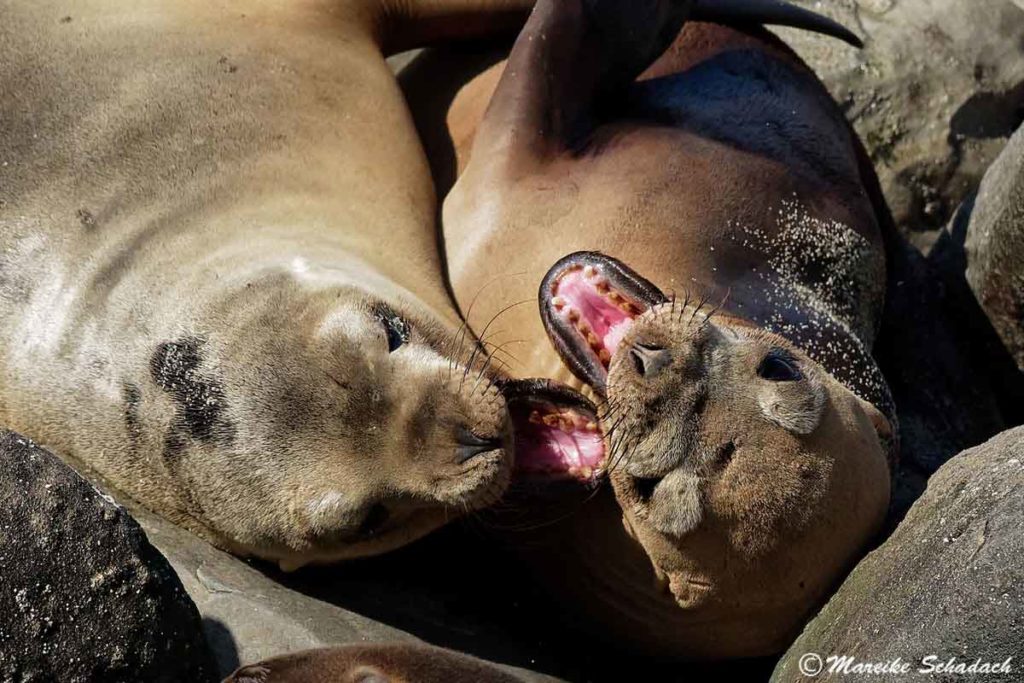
(748, 427)
(373, 663)
(220, 287)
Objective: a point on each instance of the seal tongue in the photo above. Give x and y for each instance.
(555, 441)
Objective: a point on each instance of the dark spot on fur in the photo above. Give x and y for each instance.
(65, 20)
(200, 399)
(86, 218)
(132, 397)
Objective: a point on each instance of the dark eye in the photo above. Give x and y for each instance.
(779, 366)
(395, 326)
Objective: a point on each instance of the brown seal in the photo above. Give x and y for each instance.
(746, 418)
(220, 287)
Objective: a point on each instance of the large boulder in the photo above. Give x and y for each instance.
(995, 246)
(83, 595)
(934, 94)
(948, 583)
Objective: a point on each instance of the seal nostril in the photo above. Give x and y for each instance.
(645, 487)
(649, 360)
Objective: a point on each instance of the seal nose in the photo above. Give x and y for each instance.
(649, 359)
(471, 445)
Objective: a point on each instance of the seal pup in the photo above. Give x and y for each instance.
(375, 663)
(747, 446)
(220, 287)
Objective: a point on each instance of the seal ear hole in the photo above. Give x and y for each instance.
(779, 365)
(645, 487)
(724, 454)
(396, 328)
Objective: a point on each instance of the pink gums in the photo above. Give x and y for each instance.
(557, 442)
(584, 299)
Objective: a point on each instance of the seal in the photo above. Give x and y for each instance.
(220, 286)
(747, 426)
(373, 663)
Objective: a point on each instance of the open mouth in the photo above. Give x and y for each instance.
(588, 302)
(556, 433)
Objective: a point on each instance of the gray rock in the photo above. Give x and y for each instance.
(995, 246)
(251, 612)
(83, 595)
(935, 94)
(949, 582)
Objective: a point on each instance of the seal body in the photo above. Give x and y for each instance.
(718, 280)
(220, 288)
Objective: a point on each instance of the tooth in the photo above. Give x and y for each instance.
(591, 427)
(593, 340)
(586, 472)
(551, 420)
(603, 287)
(604, 356)
(574, 315)
(558, 302)
(629, 308)
(535, 418)
(614, 297)
(589, 272)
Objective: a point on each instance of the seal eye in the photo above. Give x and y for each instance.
(779, 366)
(395, 326)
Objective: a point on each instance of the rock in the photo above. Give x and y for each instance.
(995, 246)
(952, 380)
(378, 662)
(252, 612)
(83, 595)
(935, 93)
(949, 582)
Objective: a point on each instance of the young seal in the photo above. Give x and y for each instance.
(747, 448)
(220, 288)
(377, 663)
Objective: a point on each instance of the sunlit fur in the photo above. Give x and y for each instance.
(748, 495)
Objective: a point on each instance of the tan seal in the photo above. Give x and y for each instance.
(374, 663)
(722, 288)
(220, 287)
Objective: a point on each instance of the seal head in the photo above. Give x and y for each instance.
(750, 476)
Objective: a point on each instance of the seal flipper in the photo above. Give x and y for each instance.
(573, 53)
(770, 12)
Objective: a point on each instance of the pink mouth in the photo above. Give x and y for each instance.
(557, 442)
(587, 306)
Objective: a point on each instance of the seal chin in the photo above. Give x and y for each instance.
(556, 433)
(588, 302)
